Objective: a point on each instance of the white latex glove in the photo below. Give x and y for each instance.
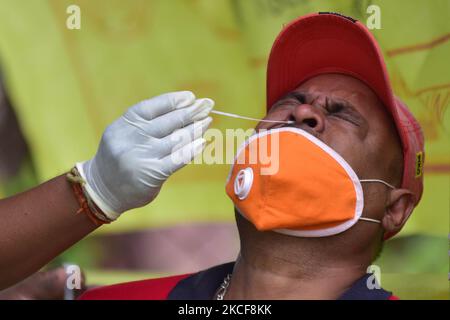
(141, 149)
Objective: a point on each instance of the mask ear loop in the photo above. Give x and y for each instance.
(370, 220)
(382, 182)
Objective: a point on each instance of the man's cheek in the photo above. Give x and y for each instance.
(353, 153)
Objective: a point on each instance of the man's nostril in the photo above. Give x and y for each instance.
(311, 122)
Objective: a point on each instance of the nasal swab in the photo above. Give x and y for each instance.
(248, 118)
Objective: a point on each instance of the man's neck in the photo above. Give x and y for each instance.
(264, 276)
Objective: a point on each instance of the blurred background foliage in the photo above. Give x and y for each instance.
(63, 87)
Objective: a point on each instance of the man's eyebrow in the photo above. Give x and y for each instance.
(306, 96)
(349, 106)
(343, 102)
(298, 95)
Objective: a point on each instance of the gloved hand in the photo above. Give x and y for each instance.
(141, 149)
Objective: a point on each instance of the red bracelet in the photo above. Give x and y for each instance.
(84, 205)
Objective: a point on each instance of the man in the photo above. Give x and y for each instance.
(327, 77)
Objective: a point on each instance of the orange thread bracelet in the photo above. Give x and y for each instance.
(87, 207)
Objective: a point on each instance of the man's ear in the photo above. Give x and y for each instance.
(399, 207)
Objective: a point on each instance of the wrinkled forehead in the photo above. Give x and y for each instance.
(339, 86)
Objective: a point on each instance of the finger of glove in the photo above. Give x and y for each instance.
(177, 119)
(162, 104)
(183, 156)
(181, 137)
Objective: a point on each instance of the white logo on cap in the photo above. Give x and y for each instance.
(243, 183)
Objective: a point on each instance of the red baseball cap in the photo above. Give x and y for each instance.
(329, 42)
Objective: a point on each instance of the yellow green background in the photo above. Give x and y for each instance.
(66, 86)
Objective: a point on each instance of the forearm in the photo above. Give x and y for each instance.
(36, 226)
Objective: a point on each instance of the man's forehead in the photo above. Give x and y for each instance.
(338, 84)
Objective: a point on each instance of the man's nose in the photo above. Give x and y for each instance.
(309, 118)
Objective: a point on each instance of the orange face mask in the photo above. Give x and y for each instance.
(288, 181)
